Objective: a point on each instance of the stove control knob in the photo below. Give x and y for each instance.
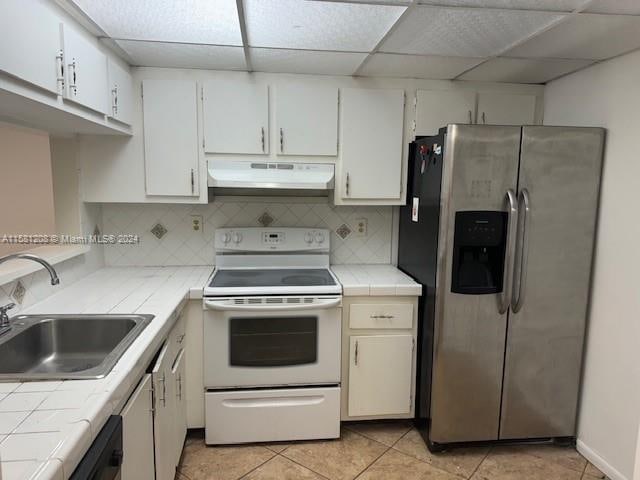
(319, 237)
(308, 237)
(226, 238)
(237, 237)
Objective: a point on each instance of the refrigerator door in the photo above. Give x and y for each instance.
(558, 194)
(480, 167)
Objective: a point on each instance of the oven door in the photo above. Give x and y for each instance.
(271, 341)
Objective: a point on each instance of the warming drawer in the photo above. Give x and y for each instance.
(272, 415)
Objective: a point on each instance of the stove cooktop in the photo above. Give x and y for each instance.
(290, 277)
(272, 281)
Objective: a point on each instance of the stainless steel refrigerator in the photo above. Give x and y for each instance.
(499, 229)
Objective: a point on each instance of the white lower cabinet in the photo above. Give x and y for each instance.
(380, 374)
(137, 433)
(164, 416)
(155, 418)
(272, 415)
(378, 357)
(180, 419)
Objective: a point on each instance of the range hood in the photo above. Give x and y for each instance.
(233, 177)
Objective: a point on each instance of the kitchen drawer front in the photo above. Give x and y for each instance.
(272, 415)
(381, 316)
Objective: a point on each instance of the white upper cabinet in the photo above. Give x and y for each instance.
(236, 117)
(86, 71)
(30, 46)
(120, 93)
(437, 108)
(171, 148)
(380, 375)
(506, 108)
(371, 129)
(307, 120)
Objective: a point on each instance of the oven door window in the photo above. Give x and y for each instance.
(273, 341)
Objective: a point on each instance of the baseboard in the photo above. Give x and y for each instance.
(595, 458)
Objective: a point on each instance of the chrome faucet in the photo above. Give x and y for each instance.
(5, 324)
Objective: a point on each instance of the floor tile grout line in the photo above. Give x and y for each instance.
(260, 465)
(301, 465)
(372, 463)
(480, 463)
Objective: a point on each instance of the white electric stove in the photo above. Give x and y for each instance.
(272, 330)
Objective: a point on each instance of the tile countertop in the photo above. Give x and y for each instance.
(46, 427)
(375, 280)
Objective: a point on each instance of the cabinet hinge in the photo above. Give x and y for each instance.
(153, 399)
(202, 94)
(415, 102)
(142, 90)
(413, 126)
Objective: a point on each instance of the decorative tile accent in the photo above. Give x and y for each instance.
(18, 292)
(343, 231)
(265, 219)
(181, 245)
(159, 230)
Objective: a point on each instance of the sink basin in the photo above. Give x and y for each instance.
(59, 347)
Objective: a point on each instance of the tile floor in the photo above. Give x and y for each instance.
(378, 451)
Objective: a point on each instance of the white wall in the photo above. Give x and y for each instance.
(608, 95)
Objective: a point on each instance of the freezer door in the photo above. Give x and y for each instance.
(558, 193)
(480, 167)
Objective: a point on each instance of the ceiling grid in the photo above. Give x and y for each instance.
(515, 41)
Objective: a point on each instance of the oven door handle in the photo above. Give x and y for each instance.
(222, 305)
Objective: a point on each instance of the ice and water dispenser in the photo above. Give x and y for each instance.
(478, 252)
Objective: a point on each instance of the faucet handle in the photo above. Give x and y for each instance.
(5, 308)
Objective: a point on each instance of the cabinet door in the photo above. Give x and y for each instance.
(307, 120)
(170, 137)
(438, 108)
(371, 151)
(380, 374)
(86, 71)
(180, 418)
(506, 109)
(137, 434)
(30, 43)
(163, 420)
(120, 93)
(236, 117)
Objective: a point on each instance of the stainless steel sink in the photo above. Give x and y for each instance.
(45, 347)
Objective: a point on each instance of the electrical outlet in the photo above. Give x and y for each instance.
(196, 223)
(361, 227)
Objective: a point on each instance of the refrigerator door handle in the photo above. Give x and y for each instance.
(512, 215)
(522, 252)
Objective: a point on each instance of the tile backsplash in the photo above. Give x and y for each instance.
(181, 244)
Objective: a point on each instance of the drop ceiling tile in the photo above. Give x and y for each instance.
(585, 36)
(547, 5)
(621, 7)
(462, 32)
(305, 61)
(193, 21)
(416, 66)
(523, 70)
(181, 55)
(318, 25)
